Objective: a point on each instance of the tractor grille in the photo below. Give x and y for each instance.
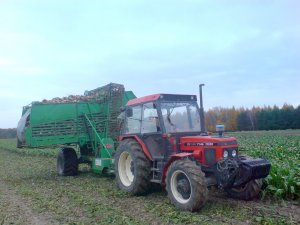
(210, 156)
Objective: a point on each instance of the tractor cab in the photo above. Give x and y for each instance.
(160, 120)
(165, 113)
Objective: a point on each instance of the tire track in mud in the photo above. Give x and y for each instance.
(19, 209)
(133, 206)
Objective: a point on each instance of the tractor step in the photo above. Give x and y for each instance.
(157, 169)
(158, 158)
(155, 181)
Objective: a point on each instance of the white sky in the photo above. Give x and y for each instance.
(246, 52)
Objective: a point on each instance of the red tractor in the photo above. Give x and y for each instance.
(164, 140)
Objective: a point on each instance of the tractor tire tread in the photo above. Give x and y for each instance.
(197, 179)
(250, 191)
(141, 183)
(70, 162)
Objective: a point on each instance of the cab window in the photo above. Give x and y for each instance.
(134, 119)
(150, 122)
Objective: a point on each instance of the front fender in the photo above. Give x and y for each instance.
(172, 159)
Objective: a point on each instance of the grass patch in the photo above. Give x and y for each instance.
(282, 148)
(11, 145)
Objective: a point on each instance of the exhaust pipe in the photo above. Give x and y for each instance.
(202, 119)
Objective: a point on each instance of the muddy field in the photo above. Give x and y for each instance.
(32, 193)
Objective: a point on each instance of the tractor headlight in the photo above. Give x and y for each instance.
(233, 153)
(225, 154)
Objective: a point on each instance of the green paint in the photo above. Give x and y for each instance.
(92, 125)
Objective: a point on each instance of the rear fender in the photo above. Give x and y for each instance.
(172, 159)
(140, 141)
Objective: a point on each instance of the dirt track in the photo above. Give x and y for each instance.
(19, 209)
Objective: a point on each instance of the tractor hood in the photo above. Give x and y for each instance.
(192, 142)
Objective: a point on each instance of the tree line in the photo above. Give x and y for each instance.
(237, 119)
(8, 133)
(256, 118)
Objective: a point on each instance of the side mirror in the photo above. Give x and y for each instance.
(129, 112)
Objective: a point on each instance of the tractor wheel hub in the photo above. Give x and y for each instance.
(183, 187)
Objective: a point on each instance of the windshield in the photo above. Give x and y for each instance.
(180, 116)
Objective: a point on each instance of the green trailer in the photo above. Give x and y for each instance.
(85, 128)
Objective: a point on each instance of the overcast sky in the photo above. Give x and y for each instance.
(246, 52)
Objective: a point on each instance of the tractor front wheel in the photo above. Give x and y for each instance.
(186, 185)
(67, 162)
(132, 168)
(246, 192)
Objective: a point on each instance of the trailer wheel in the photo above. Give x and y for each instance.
(67, 162)
(132, 168)
(186, 185)
(246, 192)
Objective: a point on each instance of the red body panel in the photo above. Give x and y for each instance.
(197, 144)
(144, 147)
(148, 98)
(191, 146)
(206, 139)
(172, 159)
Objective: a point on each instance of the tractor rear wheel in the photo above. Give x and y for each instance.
(132, 168)
(67, 162)
(246, 192)
(186, 185)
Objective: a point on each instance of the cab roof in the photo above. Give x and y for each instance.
(163, 97)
